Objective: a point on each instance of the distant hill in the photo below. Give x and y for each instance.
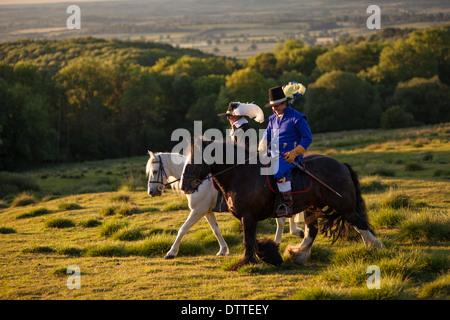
(231, 28)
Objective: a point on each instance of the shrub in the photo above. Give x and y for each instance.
(90, 223)
(396, 117)
(426, 227)
(120, 197)
(128, 234)
(23, 199)
(5, 230)
(60, 272)
(38, 249)
(396, 200)
(439, 288)
(108, 211)
(70, 251)
(127, 209)
(35, 212)
(59, 223)
(106, 249)
(110, 227)
(372, 184)
(413, 166)
(387, 218)
(316, 293)
(155, 245)
(382, 171)
(65, 206)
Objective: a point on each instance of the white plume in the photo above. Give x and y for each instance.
(250, 110)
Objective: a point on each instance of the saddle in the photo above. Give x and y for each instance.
(300, 182)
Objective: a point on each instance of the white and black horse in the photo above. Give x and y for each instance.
(162, 168)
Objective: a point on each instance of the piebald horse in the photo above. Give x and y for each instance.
(250, 200)
(162, 168)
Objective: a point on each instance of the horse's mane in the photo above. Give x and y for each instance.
(225, 145)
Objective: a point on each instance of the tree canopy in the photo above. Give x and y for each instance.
(86, 98)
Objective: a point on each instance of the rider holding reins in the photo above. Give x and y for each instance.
(292, 131)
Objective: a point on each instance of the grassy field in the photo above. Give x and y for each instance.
(97, 216)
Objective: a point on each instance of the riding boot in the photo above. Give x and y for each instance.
(285, 208)
(221, 205)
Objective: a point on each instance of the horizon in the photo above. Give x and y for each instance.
(33, 2)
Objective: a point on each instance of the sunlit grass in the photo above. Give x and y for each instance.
(119, 236)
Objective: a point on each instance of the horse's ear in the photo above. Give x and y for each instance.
(150, 154)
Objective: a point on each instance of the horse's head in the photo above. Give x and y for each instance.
(195, 169)
(156, 175)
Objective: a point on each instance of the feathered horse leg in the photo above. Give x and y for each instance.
(301, 252)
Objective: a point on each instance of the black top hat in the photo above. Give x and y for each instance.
(229, 113)
(276, 96)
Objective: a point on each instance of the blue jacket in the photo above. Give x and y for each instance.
(293, 130)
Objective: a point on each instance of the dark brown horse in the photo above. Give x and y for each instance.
(251, 200)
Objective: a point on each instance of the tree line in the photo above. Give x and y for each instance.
(86, 98)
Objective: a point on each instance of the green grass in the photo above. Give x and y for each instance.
(81, 214)
(426, 226)
(395, 200)
(24, 199)
(35, 212)
(90, 222)
(65, 206)
(439, 288)
(112, 226)
(59, 223)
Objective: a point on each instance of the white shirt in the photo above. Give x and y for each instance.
(239, 134)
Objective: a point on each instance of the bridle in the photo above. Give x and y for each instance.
(161, 176)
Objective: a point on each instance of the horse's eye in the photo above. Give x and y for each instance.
(155, 171)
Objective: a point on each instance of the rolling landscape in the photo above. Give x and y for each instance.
(227, 28)
(98, 216)
(80, 108)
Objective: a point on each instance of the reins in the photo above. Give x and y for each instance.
(196, 182)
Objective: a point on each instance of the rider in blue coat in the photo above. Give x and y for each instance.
(287, 133)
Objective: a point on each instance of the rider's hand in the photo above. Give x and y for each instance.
(294, 153)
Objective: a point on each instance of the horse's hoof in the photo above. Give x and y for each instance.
(298, 253)
(169, 257)
(223, 252)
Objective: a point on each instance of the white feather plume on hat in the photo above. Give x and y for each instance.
(294, 90)
(250, 110)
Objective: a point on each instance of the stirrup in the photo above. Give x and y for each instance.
(282, 215)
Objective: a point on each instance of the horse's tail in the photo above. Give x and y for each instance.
(333, 224)
(360, 208)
